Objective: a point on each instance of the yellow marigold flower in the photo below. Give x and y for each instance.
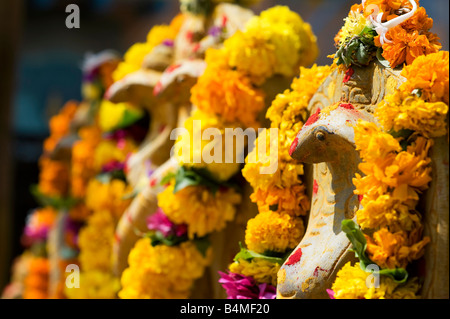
(252, 54)
(384, 211)
(135, 55)
(290, 107)
(133, 59)
(154, 272)
(191, 145)
(290, 34)
(159, 33)
(407, 173)
(428, 73)
(203, 211)
(229, 94)
(108, 150)
(351, 283)
(141, 283)
(108, 196)
(403, 111)
(168, 260)
(94, 284)
(395, 250)
(274, 232)
(373, 143)
(95, 242)
(263, 271)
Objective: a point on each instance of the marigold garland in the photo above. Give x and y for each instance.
(280, 196)
(397, 170)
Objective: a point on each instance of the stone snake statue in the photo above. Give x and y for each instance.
(327, 147)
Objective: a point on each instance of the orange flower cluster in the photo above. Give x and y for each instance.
(83, 167)
(36, 282)
(53, 177)
(228, 93)
(60, 125)
(410, 39)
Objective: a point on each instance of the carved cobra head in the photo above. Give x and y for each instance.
(326, 145)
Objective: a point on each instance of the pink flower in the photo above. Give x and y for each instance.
(330, 293)
(243, 287)
(160, 222)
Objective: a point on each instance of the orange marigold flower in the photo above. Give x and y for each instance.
(291, 200)
(53, 177)
(407, 46)
(229, 94)
(430, 75)
(395, 250)
(419, 21)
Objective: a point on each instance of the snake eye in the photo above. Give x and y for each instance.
(320, 136)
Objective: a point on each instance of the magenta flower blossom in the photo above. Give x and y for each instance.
(113, 166)
(330, 293)
(160, 222)
(239, 286)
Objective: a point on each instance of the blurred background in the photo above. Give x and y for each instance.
(40, 63)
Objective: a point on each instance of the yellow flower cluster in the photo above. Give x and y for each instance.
(273, 231)
(95, 242)
(108, 150)
(280, 196)
(135, 55)
(421, 103)
(404, 111)
(396, 171)
(108, 196)
(162, 272)
(203, 211)
(287, 113)
(353, 283)
(187, 151)
(277, 41)
(94, 284)
(393, 178)
(263, 271)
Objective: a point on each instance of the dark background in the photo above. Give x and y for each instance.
(40, 70)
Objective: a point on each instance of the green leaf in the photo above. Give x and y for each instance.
(58, 203)
(129, 117)
(381, 59)
(356, 237)
(167, 178)
(202, 244)
(158, 238)
(248, 255)
(192, 177)
(399, 275)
